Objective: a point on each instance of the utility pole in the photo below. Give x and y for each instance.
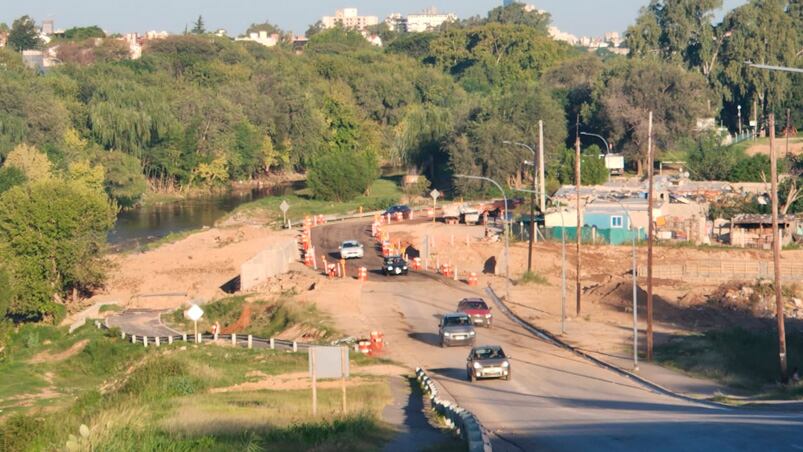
(532, 219)
(788, 130)
(650, 165)
(579, 228)
(776, 250)
(541, 164)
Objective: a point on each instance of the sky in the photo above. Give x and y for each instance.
(579, 17)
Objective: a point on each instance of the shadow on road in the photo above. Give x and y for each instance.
(427, 338)
(450, 372)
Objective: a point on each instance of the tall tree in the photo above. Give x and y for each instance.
(23, 34)
(760, 31)
(52, 235)
(678, 31)
(520, 14)
(633, 88)
(198, 27)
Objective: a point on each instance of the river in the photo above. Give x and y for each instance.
(141, 225)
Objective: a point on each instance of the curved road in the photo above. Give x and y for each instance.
(556, 400)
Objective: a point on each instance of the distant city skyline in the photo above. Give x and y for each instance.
(579, 17)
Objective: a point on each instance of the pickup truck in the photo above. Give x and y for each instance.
(469, 215)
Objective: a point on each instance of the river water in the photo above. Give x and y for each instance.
(141, 225)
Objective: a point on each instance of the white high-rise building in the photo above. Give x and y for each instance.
(349, 18)
(427, 20)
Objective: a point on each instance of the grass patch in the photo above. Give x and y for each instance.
(132, 398)
(382, 194)
(736, 357)
(533, 278)
(268, 317)
(110, 308)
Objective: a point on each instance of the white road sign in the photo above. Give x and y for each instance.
(435, 193)
(284, 206)
(194, 313)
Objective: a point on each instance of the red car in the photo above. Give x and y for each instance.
(477, 310)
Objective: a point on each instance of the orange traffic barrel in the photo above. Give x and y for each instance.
(472, 279)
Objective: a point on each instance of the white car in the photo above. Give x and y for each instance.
(351, 249)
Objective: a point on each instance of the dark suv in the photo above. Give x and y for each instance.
(394, 265)
(398, 209)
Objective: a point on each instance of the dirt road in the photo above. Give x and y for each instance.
(556, 401)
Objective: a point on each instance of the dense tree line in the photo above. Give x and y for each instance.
(198, 110)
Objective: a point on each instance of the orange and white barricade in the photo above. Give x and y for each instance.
(364, 346)
(399, 216)
(308, 259)
(362, 274)
(377, 342)
(472, 279)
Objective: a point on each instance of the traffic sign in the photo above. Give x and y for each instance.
(284, 206)
(194, 313)
(435, 194)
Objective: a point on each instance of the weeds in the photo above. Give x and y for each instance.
(736, 357)
(533, 278)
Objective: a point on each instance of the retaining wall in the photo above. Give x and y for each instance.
(270, 262)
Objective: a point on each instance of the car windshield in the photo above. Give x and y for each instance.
(456, 321)
(350, 244)
(474, 304)
(489, 353)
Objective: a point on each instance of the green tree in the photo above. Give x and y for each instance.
(23, 35)
(341, 175)
(52, 237)
(6, 294)
(709, 160)
(11, 177)
(762, 32)
(33, 164)
(198, 27)
(592, 167)
(631, 89)
(123, 179)
(677, 31)
(82, 33)
(517, 13)
(267, 27)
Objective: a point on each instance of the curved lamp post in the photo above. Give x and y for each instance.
(607, 148)
(635, 293)
(504, 226)
(532, 205)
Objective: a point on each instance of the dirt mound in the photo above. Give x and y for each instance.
(241, 324)
(47, 357)
(294, 282)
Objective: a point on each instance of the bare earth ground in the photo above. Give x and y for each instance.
(605, 326)
(197, 265)
(795, 147)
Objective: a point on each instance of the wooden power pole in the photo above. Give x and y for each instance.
(579, 228)
(776, 250)
(650, 233)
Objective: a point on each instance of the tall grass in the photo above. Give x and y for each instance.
(736, 357)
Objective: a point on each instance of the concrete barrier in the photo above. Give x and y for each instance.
(457, 418)
(272, 261)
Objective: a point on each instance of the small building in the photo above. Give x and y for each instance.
(3, 39)
(263, 38)
(755, 230)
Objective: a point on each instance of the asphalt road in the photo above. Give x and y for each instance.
(555, 400)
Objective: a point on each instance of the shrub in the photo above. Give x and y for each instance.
(342, 175)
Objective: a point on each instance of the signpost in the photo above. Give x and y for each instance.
(435, 194)
(328, 362)
(194, 313)
(284, 207)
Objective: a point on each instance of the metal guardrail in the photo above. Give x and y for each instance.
(243, 340)
(456, 417)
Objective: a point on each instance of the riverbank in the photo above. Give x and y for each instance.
(382, 194)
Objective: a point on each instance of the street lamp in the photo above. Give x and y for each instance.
(532, 206)
(504, 228)
(635, 293)
(739, 108)
(607, 147)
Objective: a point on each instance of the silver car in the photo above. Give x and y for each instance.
(488, 361)
(455, 328)
(351, 249)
